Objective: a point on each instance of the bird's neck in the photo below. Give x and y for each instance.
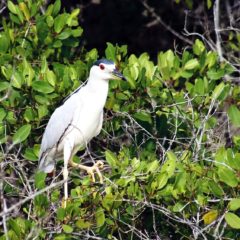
(98, 89)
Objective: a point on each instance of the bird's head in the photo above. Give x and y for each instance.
(106, 70)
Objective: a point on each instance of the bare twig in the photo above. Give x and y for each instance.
(21, 202)
(158, 19)
(216, 12)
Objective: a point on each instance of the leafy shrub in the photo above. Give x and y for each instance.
(169, 170)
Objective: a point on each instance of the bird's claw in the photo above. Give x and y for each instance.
(95, 168)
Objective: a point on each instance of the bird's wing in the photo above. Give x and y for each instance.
(99, 128)
(58, 124)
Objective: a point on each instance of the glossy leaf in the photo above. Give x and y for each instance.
(218, 90)
(25, 10)
(40, 180)
(191, 64)
(56, 7)
(228, 176)
(143, 116)
(59, 23)
(21, 134)
(232, 220)
(111, 158)
(198, 47)
(42, 87)
(234, 204)
(12, 7)
(170, 164)
(4, 86)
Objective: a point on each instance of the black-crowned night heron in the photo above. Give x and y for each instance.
(76, 122)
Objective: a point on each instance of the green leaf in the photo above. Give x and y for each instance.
(134, 71)
(50, 21)
(2, 114)
(100, 217)
(199, 86)
(17, 80)
(170, 58)
(162, 180)
(191, 64)
(40, 179)
(170, 164)
(210, 216)
(22, 134)
(30, 155)
(198, 47)
(82, 224)
(28, 72)
(29, 114)
(218, 90)
(209, 4)
(61, 214)
(65, 34)
(232, 220)
(234, 115)
(4, 43)
(51, 77)
(42, 87)
(57, 44)
(153, 166)
(71, 21)
(59, 22)
(19, 14)
(25, 10)
(110, 52)
(12, 7)
(234, 204)
(77, 32)
(227, 176)
(42, 111)
(211, 59)
(56, 7)
(67, 228)
(215, 188)
(143, 116)
(111, 158)
(180, 182)
(178, 207)
(4, 86)
(215, 74)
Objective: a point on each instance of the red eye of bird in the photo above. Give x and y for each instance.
(101, 66)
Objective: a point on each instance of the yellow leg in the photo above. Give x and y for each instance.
(90, 170)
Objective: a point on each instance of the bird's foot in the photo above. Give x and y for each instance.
(91, 170)
(95, 168)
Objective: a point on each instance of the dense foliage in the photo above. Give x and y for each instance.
(170, 168)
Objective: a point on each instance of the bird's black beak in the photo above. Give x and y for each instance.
(117, 75)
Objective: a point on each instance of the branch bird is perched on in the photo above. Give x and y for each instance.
(76, 122)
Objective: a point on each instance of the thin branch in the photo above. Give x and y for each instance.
(158, 19)
(216, 12)
(18, 204)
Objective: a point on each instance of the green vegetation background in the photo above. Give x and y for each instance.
(169, 169)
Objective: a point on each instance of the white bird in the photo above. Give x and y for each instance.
(76, 122)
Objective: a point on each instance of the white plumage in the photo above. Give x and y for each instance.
(77, 121)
